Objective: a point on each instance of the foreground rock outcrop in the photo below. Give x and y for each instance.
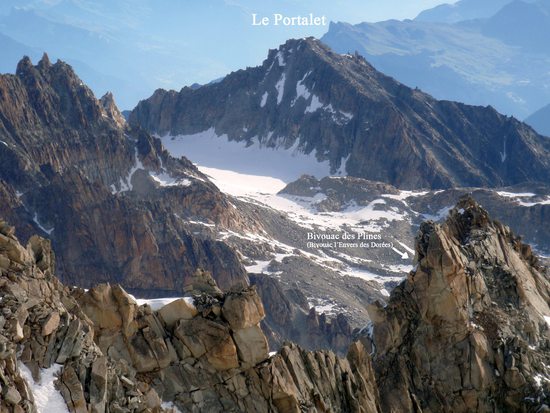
(205, 354)
(469, 330)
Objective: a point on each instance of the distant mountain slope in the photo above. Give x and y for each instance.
(462, 10)
(498, 61)
(523, 24)
(339, 108)
(540, 120)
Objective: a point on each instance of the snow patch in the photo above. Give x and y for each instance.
(261, 267)
(171, 407)
(264, 99)
(190, 221)
(280, 86)
(516, 195)
(47, 231)
(126, 184)
(157, 303)
(337, 115)
(280, 58)
(301, 90)
(164, 180)
(47, 398)
(343, 164)
(406, 247)
(327, 309)
(314, 105)
(400, 268)
(503, 153)
(405, 194)
(530, 204)
(369, 275)
(439, 215)
(539, 378)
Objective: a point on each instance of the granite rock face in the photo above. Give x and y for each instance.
(340, 109)
(42, 327)
(468, 330)
(290, 318)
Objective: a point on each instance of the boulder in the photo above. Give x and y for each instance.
(209, 338)
(50, 324)
(252, 345)
(180, 309)
(243, 309)
(72, 391)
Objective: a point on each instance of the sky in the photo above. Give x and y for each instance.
(355, 11)
(350, 11)
(132, 47)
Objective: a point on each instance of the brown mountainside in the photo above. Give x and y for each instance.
(109, 196)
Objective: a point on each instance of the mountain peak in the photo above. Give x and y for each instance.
(337, 108)
(310, 46)
(24, 65)
(44, 63)
(108, 104)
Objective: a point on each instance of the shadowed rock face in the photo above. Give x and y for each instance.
(289, 318)
(339, 108)
(467, 330)
(110, 197)
(207, 354)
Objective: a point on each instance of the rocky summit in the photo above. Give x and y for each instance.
(340, 110)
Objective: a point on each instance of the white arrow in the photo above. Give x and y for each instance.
(404, 255)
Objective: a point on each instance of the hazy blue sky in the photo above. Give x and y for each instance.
(133, 47)
(351, 11)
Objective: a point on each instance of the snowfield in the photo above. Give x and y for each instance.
(255, 173)
(207, 149)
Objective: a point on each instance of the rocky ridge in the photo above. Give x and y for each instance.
(339, 109)
(202, 354)
(71, 169)
(468, 331)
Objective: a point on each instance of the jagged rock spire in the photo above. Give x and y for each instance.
(111, 110)
(468, 330)
(24, 65)
(45, 61)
